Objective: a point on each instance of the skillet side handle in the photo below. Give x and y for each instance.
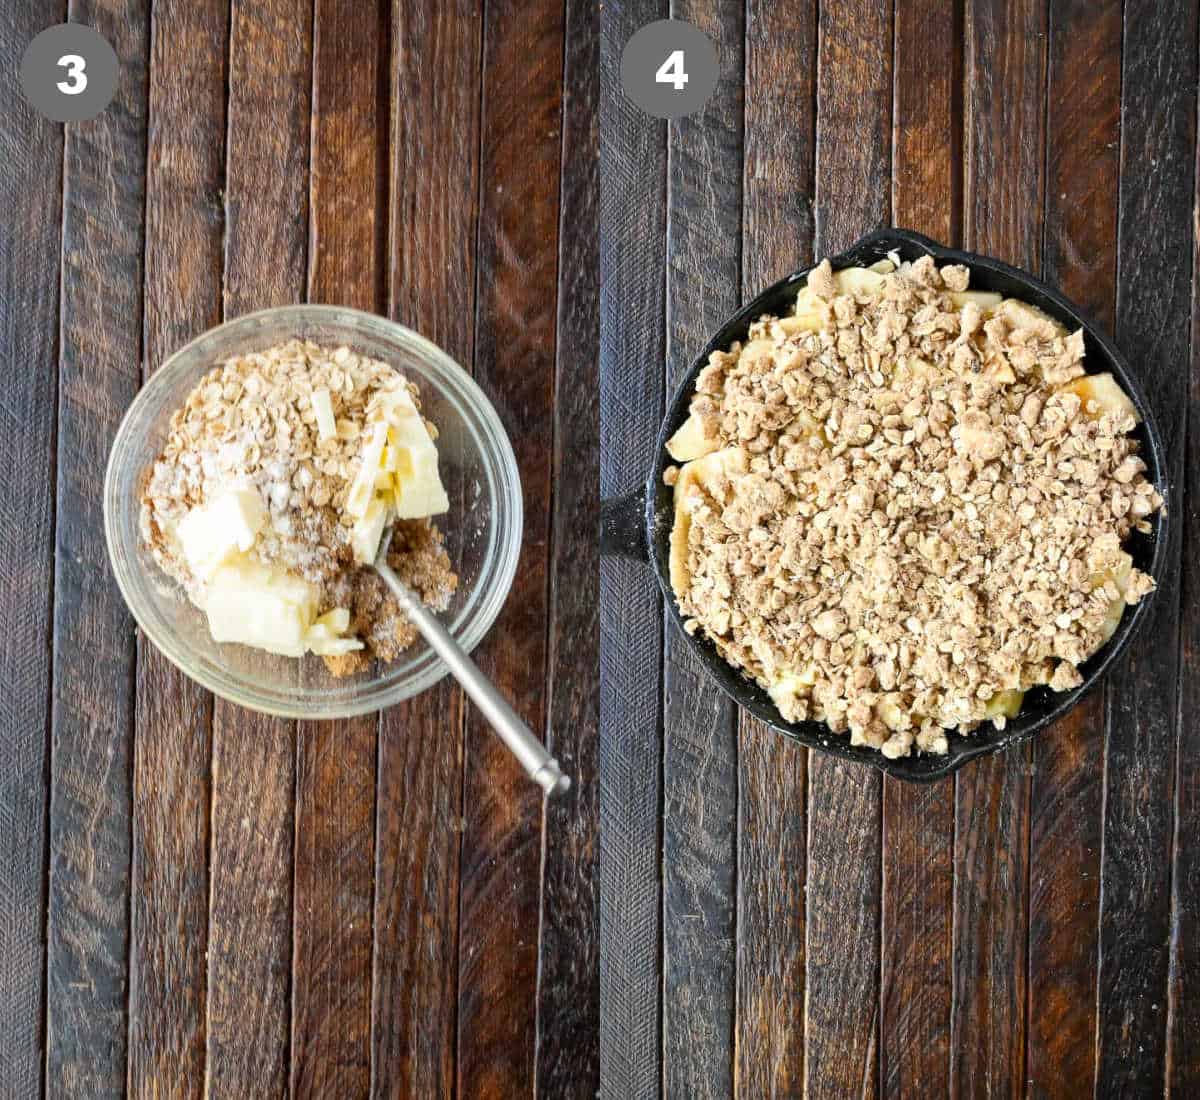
(623, 526)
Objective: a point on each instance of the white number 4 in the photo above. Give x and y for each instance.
(77, 76)
(671, 72)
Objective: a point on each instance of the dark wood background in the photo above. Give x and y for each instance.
(777, 923)
(196, 900)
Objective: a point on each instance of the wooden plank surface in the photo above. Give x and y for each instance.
(633, 214)
(699, 855)
(1004, 66)
(1062, 982)
(334, 858)
(1066, 798)
(253, 768)
(514, 364)
(434, 81)
(92, 704)
(777, 234)
(171, 782)
(214, 922)
(1183, 995)
(568, 1035)
(917, 901)
(1154, 257)
(854, 96)
(31, 194)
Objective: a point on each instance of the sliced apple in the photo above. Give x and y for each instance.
(791, 687)
(858, 280)
(986, 300)
(893, 715)
(690, 441)
(1021, 315)
(1102, 395)
(677, 555)
(702, 473)
(1004, 703)
(1119, 575)
(805, 321)
(705, 471)
(758, 349)
(807, 300)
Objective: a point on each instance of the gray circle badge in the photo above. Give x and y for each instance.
(669, 68)
(69, 73)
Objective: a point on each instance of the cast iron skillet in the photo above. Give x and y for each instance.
(638, 525)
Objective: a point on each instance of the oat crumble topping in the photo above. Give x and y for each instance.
(903, 506)
(252, 424)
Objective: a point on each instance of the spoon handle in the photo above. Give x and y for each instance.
(534, 758)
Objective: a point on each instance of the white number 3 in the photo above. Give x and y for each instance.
(77, 76)
(671, 72)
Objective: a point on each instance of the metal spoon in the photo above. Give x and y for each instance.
(534, 758)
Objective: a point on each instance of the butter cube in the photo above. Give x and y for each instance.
(421, 493)
(214, 533)
(323, 407)
(334, 647)
(419, 490)
(338, 620)
(324, 636)
(362, 488)
(367, 530)
(250, 603)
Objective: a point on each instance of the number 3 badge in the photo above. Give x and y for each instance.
(69, 73)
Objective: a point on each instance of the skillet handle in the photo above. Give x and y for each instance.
(623, 526)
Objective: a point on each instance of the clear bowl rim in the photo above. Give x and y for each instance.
(470, 624)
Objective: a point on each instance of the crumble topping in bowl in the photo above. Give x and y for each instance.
(904, 505)
(279, 474)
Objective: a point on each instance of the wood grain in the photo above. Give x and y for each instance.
(1082, 143)
(927, 118)
(1154, 255)
(172, 751)
(1004, 65)
(699, 723)
(334, 873)
(434, 84)
(568, 1007)
(917, 906)
(254, 756)
(31, 196)
(1183, 994)
(250, 914)
(514, 364)
(91, 798)
(777, 233)
(633, 216)
(841, 1035)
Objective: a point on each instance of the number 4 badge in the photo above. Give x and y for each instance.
(670, 68)
(672, 71)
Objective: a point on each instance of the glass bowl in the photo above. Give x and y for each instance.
(482, 529)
